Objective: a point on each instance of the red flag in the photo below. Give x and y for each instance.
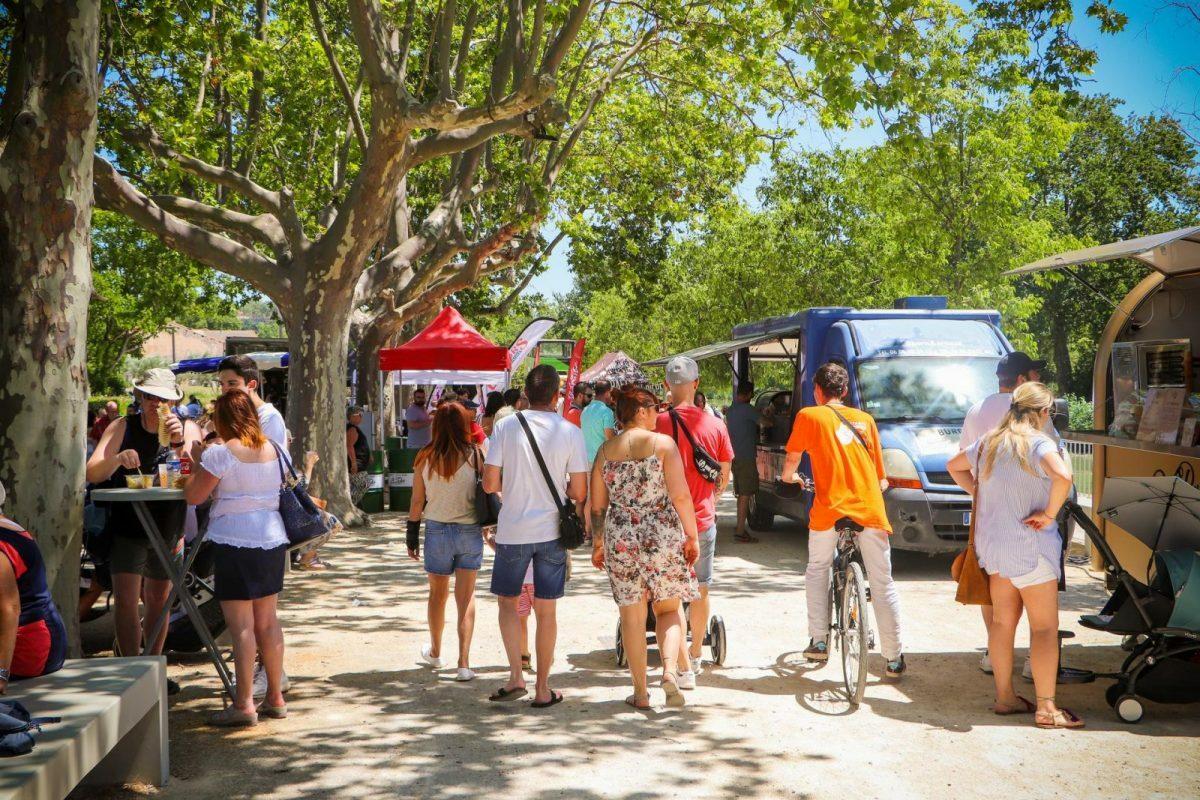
(573, 371)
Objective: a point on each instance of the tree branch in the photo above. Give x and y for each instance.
(366, 20)
(339, 76)
(263, 228)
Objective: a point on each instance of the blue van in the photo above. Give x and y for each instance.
(916, 368)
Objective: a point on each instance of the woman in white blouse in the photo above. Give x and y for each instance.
(249, 548)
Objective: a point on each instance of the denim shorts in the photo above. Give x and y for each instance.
(450, 546)
(708, 550)
(549, 569)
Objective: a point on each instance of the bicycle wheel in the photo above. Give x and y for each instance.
(855, 632)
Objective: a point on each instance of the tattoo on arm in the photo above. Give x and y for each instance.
(598, 520)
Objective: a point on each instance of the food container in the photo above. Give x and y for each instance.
(139, 481)
(180, 481)
(164, 476)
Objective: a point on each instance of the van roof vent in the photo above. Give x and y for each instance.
(922, 302)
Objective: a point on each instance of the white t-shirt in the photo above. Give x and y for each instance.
(528, 514)
(271, 421)
(985, 415)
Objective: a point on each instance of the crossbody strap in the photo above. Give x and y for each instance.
(854, 430)
(677, 423)
(541, 462)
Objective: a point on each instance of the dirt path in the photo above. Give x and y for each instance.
(368, 721)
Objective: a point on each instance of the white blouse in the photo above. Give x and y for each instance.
(245, 510)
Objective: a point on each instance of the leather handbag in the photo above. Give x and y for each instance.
(571, 531)
(973, 586)
(487, 505)
(301, 518)
(706, 466)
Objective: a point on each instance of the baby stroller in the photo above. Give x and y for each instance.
(714, 636)
(1162, 620)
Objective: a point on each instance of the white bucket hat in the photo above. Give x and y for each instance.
(159, 382)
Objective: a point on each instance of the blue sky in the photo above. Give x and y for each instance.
(1145, 65)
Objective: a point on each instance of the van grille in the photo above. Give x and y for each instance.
(949, 522)
(940, 478)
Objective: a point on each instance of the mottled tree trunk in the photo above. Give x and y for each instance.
(317, 340)
(45, 280)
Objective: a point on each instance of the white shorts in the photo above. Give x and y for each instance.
(1044, 572)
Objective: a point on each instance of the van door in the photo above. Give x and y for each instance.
(839, 347)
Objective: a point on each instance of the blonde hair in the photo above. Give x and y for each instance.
(1016, 431)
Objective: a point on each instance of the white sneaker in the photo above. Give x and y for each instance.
(686, 680)
(697, 664)
(985, 663)
(432, 661)
(1027, 671)
(260, 682)
(465, 674)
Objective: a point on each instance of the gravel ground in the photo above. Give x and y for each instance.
(368, 721)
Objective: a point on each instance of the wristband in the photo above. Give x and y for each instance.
(412, 537)
(5, 675)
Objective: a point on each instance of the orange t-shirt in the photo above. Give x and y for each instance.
(846, 475)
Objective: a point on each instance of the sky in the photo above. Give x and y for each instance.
(1146, 65)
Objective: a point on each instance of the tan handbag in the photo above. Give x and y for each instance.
(973, 585)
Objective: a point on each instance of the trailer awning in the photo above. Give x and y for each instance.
(1172, 253)
(768, 348)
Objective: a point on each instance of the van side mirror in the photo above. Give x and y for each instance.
(1060, 416)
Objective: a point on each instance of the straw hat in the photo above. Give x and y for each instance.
(159, 382)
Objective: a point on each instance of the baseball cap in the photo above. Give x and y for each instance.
(682, 369)
(1018, 363)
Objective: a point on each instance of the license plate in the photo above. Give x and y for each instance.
(967, 518)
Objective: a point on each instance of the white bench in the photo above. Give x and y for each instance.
(113, 729)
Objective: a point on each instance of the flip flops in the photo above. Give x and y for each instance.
(745, 538)
(504, 695)
(556, 697)
(632, 702)
(1023, 707)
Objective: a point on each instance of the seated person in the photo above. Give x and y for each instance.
(33, 640)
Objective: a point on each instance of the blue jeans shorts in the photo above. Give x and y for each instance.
(549, 569)
(450, 546)
(708, 549)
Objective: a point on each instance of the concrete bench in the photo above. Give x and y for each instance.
(113, 729)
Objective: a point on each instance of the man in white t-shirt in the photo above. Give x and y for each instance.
(527, 531)
(1013, 370)
(240, 374)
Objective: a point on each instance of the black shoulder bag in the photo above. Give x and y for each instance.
(707, 466)
(487, 506)
(570, 526)
(301, 518)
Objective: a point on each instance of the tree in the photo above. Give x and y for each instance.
(48, 120)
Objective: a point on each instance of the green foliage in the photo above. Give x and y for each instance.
(1080, 411)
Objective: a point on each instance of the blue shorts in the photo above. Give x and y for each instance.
(708, 550)
(549, 569)
(450, 546)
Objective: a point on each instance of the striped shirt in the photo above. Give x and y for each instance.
(1005, 545)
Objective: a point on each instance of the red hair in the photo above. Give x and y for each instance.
(234, 417)
(631, 399)
(450, 442)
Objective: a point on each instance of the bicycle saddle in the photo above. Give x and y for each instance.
(847, 524)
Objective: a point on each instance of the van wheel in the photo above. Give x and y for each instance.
(759, 516)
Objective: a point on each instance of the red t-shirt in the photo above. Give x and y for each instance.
(711, 434)
(477, 434)
(99, 426)
(572, 415)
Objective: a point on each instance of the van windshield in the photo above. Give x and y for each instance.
(931, 389)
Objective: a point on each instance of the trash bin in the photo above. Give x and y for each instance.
(372, 500)
(400, 478)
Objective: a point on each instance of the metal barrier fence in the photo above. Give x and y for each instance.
(1080, 454)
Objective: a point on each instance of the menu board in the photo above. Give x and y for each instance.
(1166, 367)
(1124, 371)
(1160, 419)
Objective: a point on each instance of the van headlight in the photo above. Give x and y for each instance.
(900, 470)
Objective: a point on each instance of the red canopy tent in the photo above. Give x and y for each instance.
(449, 350)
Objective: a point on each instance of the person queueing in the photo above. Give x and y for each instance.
(685, 423)
(597, 421)
(644, 535)
(130, 446)
(493, 403)
(528, 527)
(581, 396)
(847, 464)
(444, 497)
(33, 639)
(249, 545)
(743, 422)
(1020, 483)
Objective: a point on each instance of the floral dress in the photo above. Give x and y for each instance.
(643, 537)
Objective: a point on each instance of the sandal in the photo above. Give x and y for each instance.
(273, 712)
(230, 717)
(632, 702)
(670, 687)
(504, 694)
(1023, 707)
(1062, 718)
(745, 538)
(527, 663)
(556, 697)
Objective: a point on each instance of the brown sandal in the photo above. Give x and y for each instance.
(670, 687)
(1062, 718)
(1023, 707)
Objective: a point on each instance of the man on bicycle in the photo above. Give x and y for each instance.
(848, 478)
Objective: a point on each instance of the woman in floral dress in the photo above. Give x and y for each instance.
(644, 535)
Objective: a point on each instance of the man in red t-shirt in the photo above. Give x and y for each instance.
(111, 412)
(684, 418)
(582, 395)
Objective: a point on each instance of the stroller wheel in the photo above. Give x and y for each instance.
(717, 640)
(1129, 709)
(1114, 693)
(622, 661)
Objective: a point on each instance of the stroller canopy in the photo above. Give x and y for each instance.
(1181, 569)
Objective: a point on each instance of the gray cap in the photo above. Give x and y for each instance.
(682, 369)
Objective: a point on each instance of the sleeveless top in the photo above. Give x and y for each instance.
(362, 453)
(41, 636)
(168, 514)
(638, 502)
(452, 500)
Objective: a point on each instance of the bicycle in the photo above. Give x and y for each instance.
(849, 603)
